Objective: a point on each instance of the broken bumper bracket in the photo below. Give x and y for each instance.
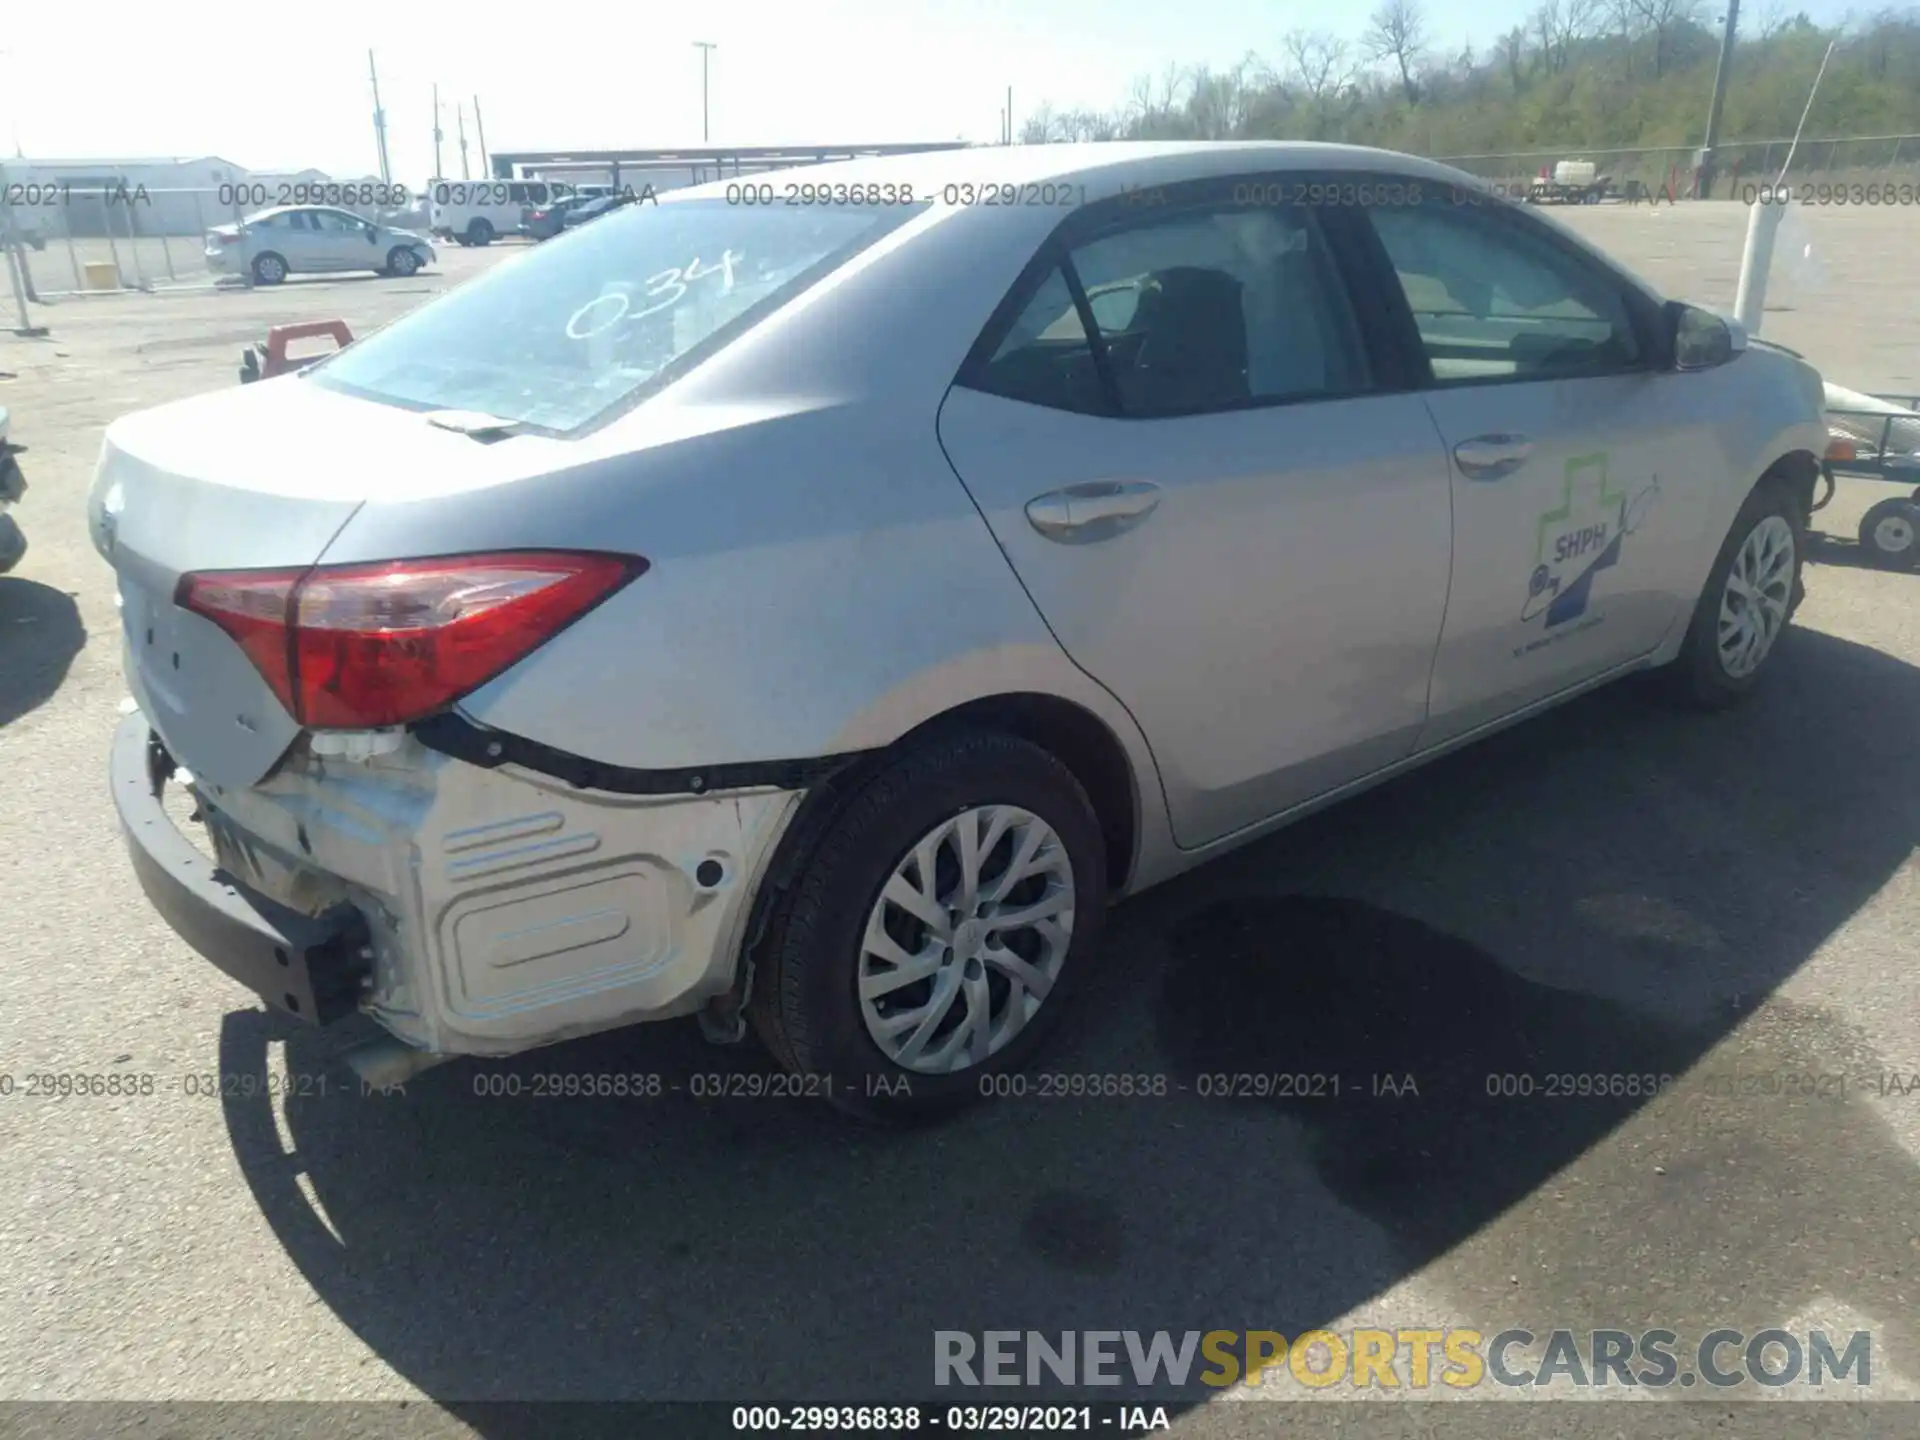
(307, 966)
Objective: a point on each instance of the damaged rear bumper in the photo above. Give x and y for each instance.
(482, 910)
(309, 967)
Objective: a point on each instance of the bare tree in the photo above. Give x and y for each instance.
(1040, 126)
(1558, 25)
(1398, 31)
(1218, 100)
(1546, 36)
(1663, 19)
(1770, 18)
(1623, 20)
(1513, 54)
(1318, 60)
(1086, 125)
(1156, 107)
(1581, 18)
(1140, 99)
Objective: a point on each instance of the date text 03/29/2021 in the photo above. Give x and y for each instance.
(1106, 1418)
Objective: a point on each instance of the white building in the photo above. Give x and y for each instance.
(172, 196)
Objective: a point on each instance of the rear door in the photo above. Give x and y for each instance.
(1218, 492)
(1579, 467)
(301, 242)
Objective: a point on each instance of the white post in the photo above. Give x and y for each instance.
(1750, 300)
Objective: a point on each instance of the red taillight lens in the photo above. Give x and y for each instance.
(229, 239)
(349, 647)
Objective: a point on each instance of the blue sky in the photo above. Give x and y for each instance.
(569, 73)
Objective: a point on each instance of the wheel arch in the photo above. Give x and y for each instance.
(1065, 729)
(1799, 470)
(1070, 732)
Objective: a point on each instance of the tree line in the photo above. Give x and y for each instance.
(1594, 74)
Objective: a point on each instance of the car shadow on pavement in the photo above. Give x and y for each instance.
(1612, 890)
(1844, 553)
(40, 633)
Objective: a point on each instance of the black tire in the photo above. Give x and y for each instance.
(804, 1003)
(480, 232)
(1888, 533)
(269, 268)
(402, 262)
(1699, 675)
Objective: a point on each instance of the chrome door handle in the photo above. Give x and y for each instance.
(1096, 510)
(1492, 457)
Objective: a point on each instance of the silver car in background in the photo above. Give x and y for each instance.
(811, 618)
(288, 240)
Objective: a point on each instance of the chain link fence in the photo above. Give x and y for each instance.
(73, 239)
(1660, 172)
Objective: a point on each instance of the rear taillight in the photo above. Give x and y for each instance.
(228, 239)
(351, 647)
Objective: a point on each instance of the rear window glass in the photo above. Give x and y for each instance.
(562, 335)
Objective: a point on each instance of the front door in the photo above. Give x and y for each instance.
(1216, 509)
(344, 242)
(1577, 471)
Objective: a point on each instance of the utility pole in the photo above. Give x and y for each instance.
(706, 49)
(460, 120)
(480, 126)
(436, 134)
(1722, 72)
(379, 122)
(1009, 114)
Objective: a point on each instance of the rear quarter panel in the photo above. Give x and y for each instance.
(819, 581)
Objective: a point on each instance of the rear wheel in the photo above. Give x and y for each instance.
(937, 929)
(480, 232)
(1887, 533)
(268, 268)
(1750, 596)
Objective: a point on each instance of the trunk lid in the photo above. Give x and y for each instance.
(260, 477)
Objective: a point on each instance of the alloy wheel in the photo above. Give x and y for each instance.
(1753, 606)
(966, 939)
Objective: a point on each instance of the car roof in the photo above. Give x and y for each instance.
(1116, 162)
(290, 209)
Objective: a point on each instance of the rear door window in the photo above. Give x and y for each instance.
(1215, 309)
(1201, 310)
(1045, 357)
(569, 332)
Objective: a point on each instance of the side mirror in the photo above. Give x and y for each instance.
(1700, 339)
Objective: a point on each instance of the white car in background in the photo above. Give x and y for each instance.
(478, 212)
(312, 240)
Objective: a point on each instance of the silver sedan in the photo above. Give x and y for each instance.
(812, 617)
(270, 245)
